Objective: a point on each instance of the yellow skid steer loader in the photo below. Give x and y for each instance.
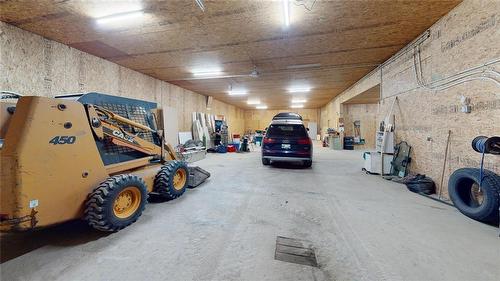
(88, 156)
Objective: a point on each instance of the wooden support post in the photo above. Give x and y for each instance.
(444, 164)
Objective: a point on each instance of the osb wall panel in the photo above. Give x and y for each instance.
(236, 120)
(367, 115)
(33, 65)
(258, 119)
(466, 37)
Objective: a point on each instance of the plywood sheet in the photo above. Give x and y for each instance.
(170, 125)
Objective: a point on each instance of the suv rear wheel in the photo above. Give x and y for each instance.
(265, 161)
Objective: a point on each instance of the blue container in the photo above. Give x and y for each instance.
(221, 149)
(236, 145)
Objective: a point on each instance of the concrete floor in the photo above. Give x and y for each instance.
(362, 228)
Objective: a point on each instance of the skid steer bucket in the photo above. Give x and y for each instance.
(197, 176)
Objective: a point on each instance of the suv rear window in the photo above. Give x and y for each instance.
(286, 130)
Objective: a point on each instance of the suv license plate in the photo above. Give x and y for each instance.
(285, 146)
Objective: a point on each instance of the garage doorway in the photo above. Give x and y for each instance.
(360, 118)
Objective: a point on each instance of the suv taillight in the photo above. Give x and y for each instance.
(304, 141)
(268, 140)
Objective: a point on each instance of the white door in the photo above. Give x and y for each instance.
(313, 130)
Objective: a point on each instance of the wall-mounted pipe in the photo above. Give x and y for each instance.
(475, 73)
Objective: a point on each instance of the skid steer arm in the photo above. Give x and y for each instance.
(105, 123)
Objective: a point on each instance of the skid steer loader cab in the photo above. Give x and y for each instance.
(90, 156)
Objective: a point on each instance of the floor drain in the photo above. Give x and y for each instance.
(295, 251)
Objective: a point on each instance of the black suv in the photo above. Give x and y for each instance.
(287, 140)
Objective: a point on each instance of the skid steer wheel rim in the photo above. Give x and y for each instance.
(180, 179)
(127, 202)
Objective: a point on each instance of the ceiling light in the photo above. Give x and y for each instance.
(299, 100)
(207, 74)
(298, 66)
(207, 71)
(252, 102)
(237, 92)
(286, 13)
(200, 4)
(261, 107)
(255, 73)
(297, 106)
(299, 89)
(101, 9)
(120, 17)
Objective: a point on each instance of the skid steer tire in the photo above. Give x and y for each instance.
(116, 203)
(461, 188)
(172, 180)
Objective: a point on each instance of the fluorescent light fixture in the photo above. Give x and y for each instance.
(299, 89)
(253, 102)
(211, 71)
(286, 13)
(299, 100)
(237, 92)
(297, 106)
(261, 107)
(299, 66)
(100, 9)
(207, 74)
(200, 4)
(120, 17)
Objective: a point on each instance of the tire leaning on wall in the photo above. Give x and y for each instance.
(461, 186)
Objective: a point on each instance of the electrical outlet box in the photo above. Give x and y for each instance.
(466, 108)
(465, 101)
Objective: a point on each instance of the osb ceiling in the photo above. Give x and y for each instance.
(371, 95)
(328, 45)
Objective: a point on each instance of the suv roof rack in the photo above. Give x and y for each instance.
(287, 121)
(287, 116)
